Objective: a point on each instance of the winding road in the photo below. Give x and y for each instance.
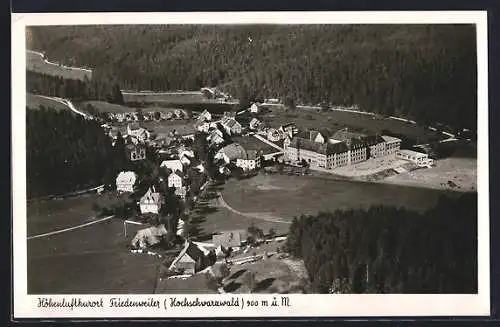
(68, 104)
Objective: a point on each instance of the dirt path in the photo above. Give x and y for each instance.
(257, 215)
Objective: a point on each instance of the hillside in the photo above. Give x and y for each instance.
(35, 62)
(426, 72)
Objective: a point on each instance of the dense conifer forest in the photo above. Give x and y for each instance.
(391, 250)
(424, 72)
(65, 152)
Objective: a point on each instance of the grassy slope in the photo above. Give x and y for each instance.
(34, 101)
(335, 120)
(35, 63)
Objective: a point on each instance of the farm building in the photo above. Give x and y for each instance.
(418, 158)
(173, 165)
(290, 129)
(125, 181)
(151, 202)
(275, 135)
(147, 237)
(227, 239)
(230, 152)
(190, 260)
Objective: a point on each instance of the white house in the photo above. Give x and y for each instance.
(215, 136)
(254, 123)
(176, 179)
(151, 202)
(173, 165)
(133, 129)
(274, 135)
(202, 126)
(249, 160)
(125, 181)
(231, 126)
(205, 116)
(254, 108)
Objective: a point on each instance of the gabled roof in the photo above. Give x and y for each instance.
(151, 196)
(126, 177)
(323, 148)
(233, 151)
(178, 173)
(191, 250)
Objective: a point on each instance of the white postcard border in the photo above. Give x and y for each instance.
(26, 306)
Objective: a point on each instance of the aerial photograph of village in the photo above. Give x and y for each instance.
(212, 159)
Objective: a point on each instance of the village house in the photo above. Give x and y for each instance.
(135, 131)
(125, 181)
(230, 239)
(176, 179)
(418, 158)
(135, 152)
(231, 126)
(230, 153)
(275, 135)
(190, 260)
(290, 129)
(151, 202)
(249, 160)
(254, 108)
(173, 165)
(215, 136)
(254, 124)
(205, 116)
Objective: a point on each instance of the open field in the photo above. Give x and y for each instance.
(103, 106)
(34, 101)
(461, 171)
(91, 259)
(165, 97)
(36, 63)
(47, 215)
(335, 120)
(288, 196)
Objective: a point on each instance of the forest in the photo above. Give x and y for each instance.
(65, 152)
(73, 89)
(424, 72)
(391, 250)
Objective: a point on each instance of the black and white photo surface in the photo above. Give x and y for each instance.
(248, 164)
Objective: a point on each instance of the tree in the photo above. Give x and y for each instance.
(271, 233)
(116, 95)
(157, 115)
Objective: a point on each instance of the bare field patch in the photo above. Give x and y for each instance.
(459, 174)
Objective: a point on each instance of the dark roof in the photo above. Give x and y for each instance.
(194, 252)
(323, 148)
